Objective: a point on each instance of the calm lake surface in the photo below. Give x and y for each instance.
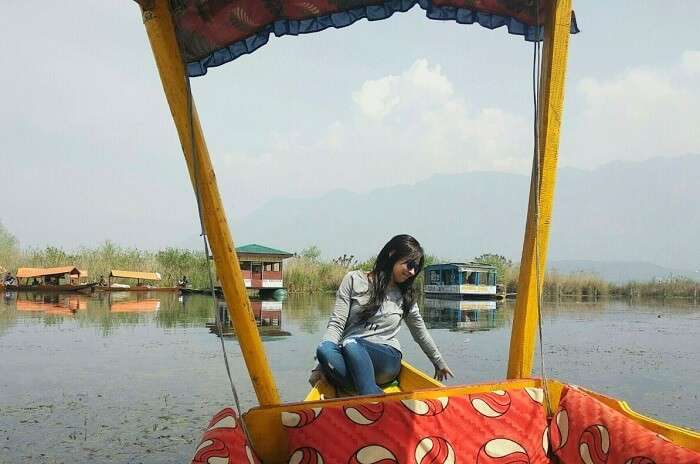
(135, 378)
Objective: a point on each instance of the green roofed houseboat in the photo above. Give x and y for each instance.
(262, 267)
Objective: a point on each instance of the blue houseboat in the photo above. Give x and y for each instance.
(460, 281)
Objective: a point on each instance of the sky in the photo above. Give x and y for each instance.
(89, 152)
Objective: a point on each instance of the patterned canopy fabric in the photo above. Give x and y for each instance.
(214, 32)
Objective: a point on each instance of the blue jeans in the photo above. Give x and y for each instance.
(357, 364)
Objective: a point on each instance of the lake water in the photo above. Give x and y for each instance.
(135, 378)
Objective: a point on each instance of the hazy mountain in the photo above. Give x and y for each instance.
(623, 211)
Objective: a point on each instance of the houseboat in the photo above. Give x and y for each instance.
(262, 267)
(460, 281)
(54, 279)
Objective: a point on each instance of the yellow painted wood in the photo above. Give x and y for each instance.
(161, 34)
(410, 379)
(678, 435)
(554, 55)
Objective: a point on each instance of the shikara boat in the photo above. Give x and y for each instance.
(520, 419)
(54, 279)
(141, 285)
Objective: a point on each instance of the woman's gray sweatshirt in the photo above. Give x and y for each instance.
(345, 322)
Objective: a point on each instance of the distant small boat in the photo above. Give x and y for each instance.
(49, 280)
(460, 281)
(138, 287)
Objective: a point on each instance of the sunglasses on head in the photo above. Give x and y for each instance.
(412, 265)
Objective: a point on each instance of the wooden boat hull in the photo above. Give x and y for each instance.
(49, 288)
(200, 291)
(136, 289)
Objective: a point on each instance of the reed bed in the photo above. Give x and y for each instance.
(308, 273)
(305, 275)
(676, 287)
(585, 285)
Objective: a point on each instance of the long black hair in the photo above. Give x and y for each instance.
(400, 248)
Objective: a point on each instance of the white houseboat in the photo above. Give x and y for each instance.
(460, 281)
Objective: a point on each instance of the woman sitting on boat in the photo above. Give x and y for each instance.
(359, 350)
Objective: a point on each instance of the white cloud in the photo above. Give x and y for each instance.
(377, 98)
(691, 61)
(405, 128)
(640, 113)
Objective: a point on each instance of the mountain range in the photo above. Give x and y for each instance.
(630, 213)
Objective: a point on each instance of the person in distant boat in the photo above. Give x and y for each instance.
(8, 279)
(184, 282)
(102, 282)
(35, 282)
(359, 350)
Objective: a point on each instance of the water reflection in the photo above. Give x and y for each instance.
(461, 315)
(267, 313)
(105, 311)
(51, 303)
(120, 368)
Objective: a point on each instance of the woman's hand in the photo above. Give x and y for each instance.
(315, 377)
(442, 373)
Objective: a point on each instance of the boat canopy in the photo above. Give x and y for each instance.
(461, 267)
(29, 272)
(211, 33)
(135, 275)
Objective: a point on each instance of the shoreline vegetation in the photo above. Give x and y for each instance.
(308, 272)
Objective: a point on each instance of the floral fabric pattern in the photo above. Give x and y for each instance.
(586, 431)
(485, 428)
(214, 32)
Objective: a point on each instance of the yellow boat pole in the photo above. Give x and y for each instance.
(161, 34)
(551, 103)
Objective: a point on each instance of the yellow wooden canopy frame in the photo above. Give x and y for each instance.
(161, 33)
(268, 436)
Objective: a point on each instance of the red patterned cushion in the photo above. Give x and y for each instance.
(224, 442)
(584, 430)
(504, 427)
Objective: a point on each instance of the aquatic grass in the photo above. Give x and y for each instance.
(673, 287)
(308, 273)
(305, 275)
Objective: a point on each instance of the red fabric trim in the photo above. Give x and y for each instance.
(224, 439)
(584, 430)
